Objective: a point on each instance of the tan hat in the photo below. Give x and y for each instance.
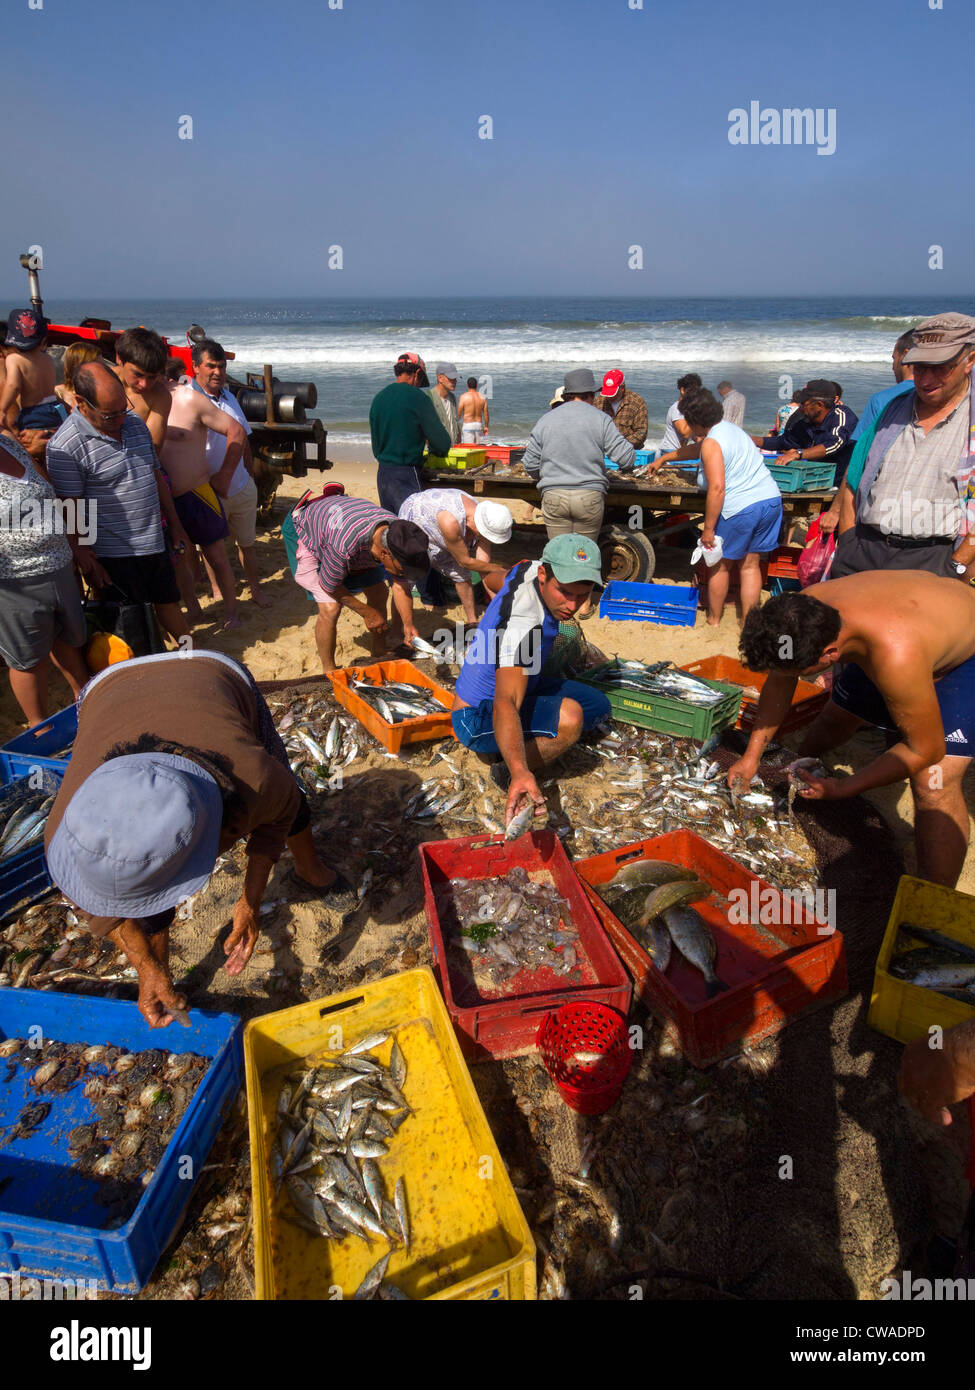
(941, 338)
(557, 398)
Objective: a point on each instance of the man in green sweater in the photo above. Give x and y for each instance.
(401, 419)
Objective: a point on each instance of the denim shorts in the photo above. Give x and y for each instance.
(474, 725)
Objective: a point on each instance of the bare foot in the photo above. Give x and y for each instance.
(233, 621)
(714, 622)
(314, 873)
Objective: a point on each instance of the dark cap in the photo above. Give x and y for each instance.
(408, 544)
(25, 329)
(820, 390)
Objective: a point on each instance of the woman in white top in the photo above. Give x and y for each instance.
(743, 508)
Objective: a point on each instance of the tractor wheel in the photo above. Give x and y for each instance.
(627, 555)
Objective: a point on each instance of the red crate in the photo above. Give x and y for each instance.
(772, 976)
(808, 700)
(393, 736)
(506, 1025)
(784, 563)
(505, 454)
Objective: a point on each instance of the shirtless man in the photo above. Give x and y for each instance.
(472, 412)
(195, 493)
(907, 641)
(140, 366)
(27, 399)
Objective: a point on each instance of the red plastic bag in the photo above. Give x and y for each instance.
(816, 560)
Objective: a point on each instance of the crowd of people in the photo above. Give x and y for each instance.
(166, 463)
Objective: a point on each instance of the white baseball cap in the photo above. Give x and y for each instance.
(493, 521)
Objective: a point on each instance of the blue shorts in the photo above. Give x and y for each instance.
(856, 693)
(474, 726)
(753, 531)
(358, 580)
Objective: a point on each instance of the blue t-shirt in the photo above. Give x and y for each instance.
(746, 478)
(875, 406)
(516, 630)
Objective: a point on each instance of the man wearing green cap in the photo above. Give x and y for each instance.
(502, 704)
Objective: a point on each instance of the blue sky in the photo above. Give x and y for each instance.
(358, 127)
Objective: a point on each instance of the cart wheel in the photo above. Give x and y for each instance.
(626, 555)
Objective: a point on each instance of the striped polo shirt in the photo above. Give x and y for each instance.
(119, 476)
(338, 531)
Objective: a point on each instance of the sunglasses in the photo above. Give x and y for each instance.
(104, 414)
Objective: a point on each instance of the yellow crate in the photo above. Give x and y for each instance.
(469, 1237)
(456, 459)
(898, 1008)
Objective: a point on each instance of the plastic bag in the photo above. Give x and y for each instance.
(710, 557)
(816, 560)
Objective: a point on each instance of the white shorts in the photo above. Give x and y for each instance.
(241, 514)
(472, 433)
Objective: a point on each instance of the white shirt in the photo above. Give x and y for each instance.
(217, 443)
(672, 439)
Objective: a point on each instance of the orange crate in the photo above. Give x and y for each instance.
(784, 563)
(808, 700)
(773, 973)
(393, 736)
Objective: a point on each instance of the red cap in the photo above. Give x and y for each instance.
(612, 382)
(413, 358)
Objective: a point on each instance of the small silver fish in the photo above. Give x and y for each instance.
(520, 821)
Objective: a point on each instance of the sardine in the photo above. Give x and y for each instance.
(402, 1211)
(520, 821)
(936, 938)
(373, 1279)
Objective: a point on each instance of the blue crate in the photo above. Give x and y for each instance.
(35, 746)
(50, 1226)
(672, 604)
(778, 585)
(24, 878)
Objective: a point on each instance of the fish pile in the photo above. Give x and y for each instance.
(651, 898)
(318, 738)
(337, 1116)
(47, 948)
(135, 1101)
(509, 924)
(395, 701)
(940, 963)
(25, 817)
(656, 784)
(660, 678)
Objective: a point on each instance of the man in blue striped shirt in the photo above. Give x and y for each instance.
(104, 453)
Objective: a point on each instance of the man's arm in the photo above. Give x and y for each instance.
(774, 704)
(682, 427)
(933, 1078)
(837, 438)
(902, 674)
(532, 458)
(10, 394)
(156, 993)
(487, 416)
(453, 539)
(510, 686)
(181, 541)
(221, 423)
(617, 447)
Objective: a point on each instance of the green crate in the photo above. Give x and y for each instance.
(666, 715)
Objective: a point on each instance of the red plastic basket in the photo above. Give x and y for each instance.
(773, 974)
(506, 1024)
(784, 563)
(593, 1085)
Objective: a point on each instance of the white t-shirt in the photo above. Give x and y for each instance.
(217, 443)
(672, 439)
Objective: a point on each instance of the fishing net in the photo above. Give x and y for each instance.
(571, 652)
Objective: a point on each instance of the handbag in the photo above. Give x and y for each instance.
(134, 623)
(816, 560)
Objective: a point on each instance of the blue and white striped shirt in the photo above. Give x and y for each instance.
(118, 475)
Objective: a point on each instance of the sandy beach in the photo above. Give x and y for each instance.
(279, 644)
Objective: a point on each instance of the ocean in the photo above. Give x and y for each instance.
(519, 348)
